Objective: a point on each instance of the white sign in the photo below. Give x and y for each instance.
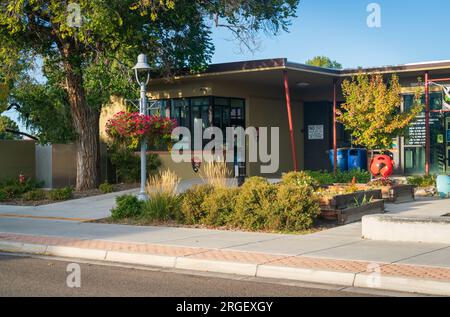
(315, 132)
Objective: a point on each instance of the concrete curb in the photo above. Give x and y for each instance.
(306, 275)
(141, 259)
(346, 279)
(246, 269)
(402, 284)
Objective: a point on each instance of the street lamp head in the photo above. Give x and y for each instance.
(142, 67)
(142, 64)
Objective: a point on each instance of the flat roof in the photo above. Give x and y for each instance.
(283, 63)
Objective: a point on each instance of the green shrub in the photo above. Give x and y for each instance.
(254, 204)
(127, 206)
(106, 188)
(422, 180)
(60, 194)
(13, 191)
(128, 165)
(162, 207)
(219, 206)
(299, 179)
(12, 188)
(328, 178)
(3, 195)
(37, 194)
(346, 177)
(295, 208)
(322, 177)
(191, 205)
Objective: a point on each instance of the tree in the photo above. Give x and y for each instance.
(372, 110)
(323, 61)
(7, 126)
(89, 46)
(45, 111)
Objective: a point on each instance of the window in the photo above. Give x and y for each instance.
(210, 111)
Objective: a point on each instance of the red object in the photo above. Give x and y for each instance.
(21, 179)
(427, 123)
(382, 166)
(334, 126)
(291, 128)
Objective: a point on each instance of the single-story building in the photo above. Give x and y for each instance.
(299, 99)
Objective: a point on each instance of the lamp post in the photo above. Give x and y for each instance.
(143, 68)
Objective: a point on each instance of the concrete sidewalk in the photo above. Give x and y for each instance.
(344, 272)
(89, 208)
(335, 256)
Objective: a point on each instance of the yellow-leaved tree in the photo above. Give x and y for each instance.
(372, 110)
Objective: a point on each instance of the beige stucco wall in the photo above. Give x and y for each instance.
(17, 157)
(265, 107)
(116, 104)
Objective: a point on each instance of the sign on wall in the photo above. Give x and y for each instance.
(315, 132)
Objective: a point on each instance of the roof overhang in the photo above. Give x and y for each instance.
(318, 76)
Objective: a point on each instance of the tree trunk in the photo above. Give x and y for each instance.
(86, 124)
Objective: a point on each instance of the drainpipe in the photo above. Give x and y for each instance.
(334, 125)
(289, 111)
(427, 124)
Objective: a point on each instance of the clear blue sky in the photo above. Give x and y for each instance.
(411, 31)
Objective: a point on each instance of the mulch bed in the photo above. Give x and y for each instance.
(319, 225)
(76, 195)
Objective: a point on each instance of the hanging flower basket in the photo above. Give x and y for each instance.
(131, 128)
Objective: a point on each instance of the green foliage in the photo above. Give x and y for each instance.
(45, 110)
(106, 188)
(36, 195)
(219, 206)
(85, 64)
(372, 110)
(192, 200)
(300, 179)
(295, 208)
(162, 207)
(323, 61)
(127, 206)
(12, 191)
(341, 177)
(128, 164)
(3, 195)
(12, 188)
(60, 194)
(422, 180)
(254, 204)
(7, 123)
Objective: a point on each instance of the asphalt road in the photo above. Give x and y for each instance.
(26, 276)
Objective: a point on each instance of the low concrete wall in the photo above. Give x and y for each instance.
(17, 157)
(406, 229)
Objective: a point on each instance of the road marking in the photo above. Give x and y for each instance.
(44, 217)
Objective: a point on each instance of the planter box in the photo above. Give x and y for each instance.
(398, 193)
(344, 208)
(346, 200)
(354, 214)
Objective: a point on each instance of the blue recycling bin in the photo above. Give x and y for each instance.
(357, 159)
(443, 186)
(342, 159)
